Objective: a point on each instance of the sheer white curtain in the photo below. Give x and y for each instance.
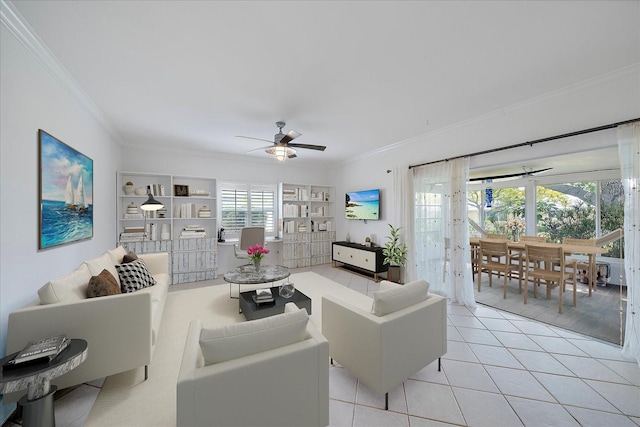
(403, 214)
(629, 153)
(440, 211)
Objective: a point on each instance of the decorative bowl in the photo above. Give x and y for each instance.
(141, 191)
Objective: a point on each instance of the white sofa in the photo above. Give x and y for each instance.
(384, 349)
(266, 372)
(121, 330)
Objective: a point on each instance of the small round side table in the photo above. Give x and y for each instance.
(38, 402)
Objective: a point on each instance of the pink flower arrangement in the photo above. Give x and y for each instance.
(257, 252)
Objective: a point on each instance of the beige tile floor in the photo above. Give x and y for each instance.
(500, 370)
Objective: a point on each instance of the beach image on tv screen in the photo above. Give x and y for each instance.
(362, 204)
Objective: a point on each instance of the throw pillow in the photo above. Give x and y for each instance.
(134, 276)
(243, 339)
(102, 285)
(72, 287)
(116, 255)
(130, 256)
(397, 298)
(104, 262)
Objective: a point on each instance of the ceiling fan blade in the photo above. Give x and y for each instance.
(510, 175)
(259, 148)
(258, 139)
(309, 146)
(538, 171)
(291, 135)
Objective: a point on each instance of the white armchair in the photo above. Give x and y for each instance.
(283, 386)
(383, 351)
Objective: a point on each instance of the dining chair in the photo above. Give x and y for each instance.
(249, 236)
(582, 266)
(518, 255)
(495, 257)
(496, 236)
(547, 263)
(474, 261)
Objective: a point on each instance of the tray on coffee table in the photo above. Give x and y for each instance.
(253, 311)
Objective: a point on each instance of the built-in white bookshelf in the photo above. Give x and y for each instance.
(185, 226)
(307, 224)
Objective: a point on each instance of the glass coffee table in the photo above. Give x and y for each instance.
(252, 310)
(247, 275)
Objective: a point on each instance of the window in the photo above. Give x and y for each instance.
(584, 210)
(491, 208)
(247, 205)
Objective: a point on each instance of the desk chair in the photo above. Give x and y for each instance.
(249, 236)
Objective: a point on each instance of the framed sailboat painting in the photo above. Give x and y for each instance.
(66, 193)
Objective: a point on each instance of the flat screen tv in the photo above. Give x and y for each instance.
(362, 204)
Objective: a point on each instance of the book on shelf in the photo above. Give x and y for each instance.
(133, 229)
(193, 231)
(132, 237)
(199, 193)
(156, 189)
(44, 350)
(133, 216)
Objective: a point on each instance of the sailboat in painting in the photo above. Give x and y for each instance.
(70, 196)
(81, 205)
(75, 198)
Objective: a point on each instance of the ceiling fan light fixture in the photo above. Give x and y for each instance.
(281, 152)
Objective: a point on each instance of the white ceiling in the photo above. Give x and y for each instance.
(355, 76)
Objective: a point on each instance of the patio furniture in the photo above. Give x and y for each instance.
(495, 256)
(583, 265)
(547, 263)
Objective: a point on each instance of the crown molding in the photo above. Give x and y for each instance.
(25, 34)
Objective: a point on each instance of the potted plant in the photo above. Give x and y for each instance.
(395, 254)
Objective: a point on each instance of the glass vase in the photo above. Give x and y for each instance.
(256, 265)
(287, 290)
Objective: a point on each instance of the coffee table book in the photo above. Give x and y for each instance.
(38, 351)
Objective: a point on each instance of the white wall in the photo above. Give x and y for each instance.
(608, 99)
(221, 167)
(31, 99)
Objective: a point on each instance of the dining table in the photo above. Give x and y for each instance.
(590, 251)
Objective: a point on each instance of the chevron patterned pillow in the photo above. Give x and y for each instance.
(134, 276)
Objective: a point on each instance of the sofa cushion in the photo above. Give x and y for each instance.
(134, 276)
(117, 254)
(243, 339)
(102, 285)
(72, 287)
(399, 297)
(129, 256)
(104, 262)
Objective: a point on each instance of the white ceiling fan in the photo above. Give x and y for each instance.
(281, 147)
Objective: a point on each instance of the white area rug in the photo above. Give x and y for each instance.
(127, 400)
